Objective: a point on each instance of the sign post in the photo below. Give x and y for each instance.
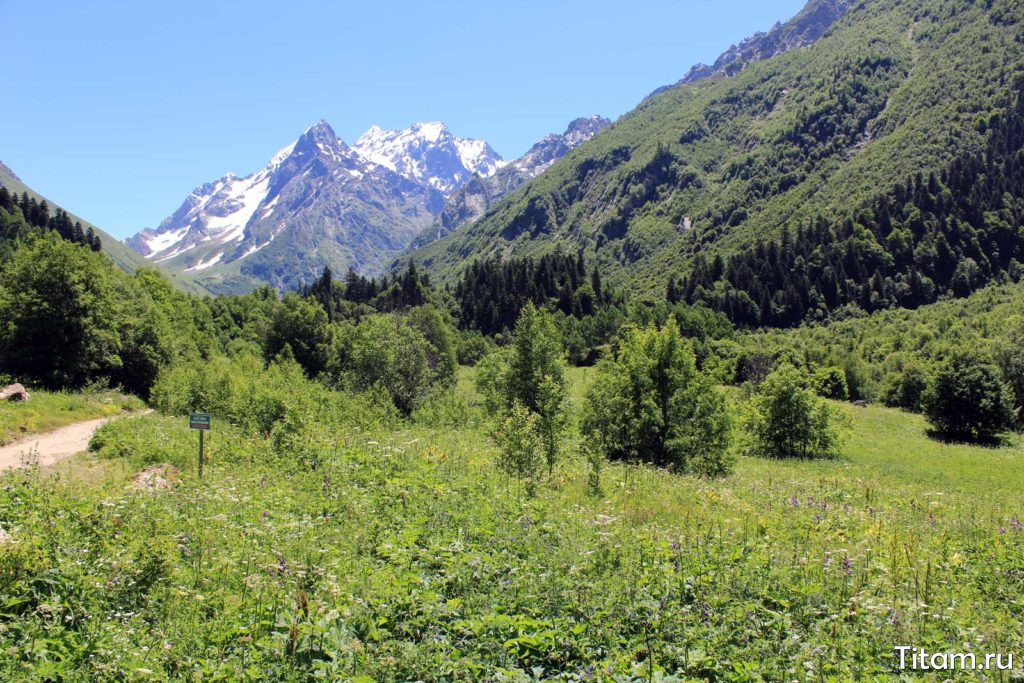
(200, 421)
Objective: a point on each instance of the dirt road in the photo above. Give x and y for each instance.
(51, 447)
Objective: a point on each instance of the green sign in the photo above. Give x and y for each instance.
(199, 421)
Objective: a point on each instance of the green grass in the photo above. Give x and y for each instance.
(398, 555)
(46, 411)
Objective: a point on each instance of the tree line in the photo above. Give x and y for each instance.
(19, 214)
(491, 292)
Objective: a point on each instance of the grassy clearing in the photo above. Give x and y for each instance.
(46, 411)
(397, 555)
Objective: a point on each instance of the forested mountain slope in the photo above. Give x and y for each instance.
(125, 258)
(818, 136)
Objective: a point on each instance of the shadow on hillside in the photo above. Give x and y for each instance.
(952, 440)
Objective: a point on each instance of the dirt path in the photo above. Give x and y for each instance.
(51, 447)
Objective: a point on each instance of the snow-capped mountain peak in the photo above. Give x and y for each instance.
(429, 153)
(317, 202)
(214, 216)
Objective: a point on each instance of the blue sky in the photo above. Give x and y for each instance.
(116, 110)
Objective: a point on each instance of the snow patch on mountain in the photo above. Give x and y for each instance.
(214, 212)
(203, 265)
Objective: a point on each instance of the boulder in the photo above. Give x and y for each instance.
(13, 392)
(156, 478)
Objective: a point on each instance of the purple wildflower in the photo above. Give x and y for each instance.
(847, 565)
(1015, 523)
(794, 501)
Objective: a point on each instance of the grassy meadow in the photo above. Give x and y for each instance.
(48, 410)
(370, 553)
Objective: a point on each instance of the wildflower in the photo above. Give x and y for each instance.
(794, 501)
(847, 565)
(931, 519)
(1015, 523)
(264, 516)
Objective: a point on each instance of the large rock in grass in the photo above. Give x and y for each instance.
(13, 392)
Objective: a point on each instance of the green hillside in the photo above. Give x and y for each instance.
(816, 136)
(125, 258)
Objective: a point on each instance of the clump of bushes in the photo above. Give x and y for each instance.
(256, 397)
(406, 355)
(830, 382)
(968, 400)
(787, 420)
(650, 404)
(905, 389)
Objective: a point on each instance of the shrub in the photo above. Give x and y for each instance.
(473, 346)
(786, 420)
(968, 400)
(441, 353)
(491, 373)
(390, 354)
(301, 325)
(535, 377)
(906, 388)
(519, 444)
(753, 368)
(243, 391)
(830, 383)
(650, 404)
(1009, 354)
(858, 379)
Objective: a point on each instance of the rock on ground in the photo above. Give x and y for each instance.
(156, 478)
(13, 392)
